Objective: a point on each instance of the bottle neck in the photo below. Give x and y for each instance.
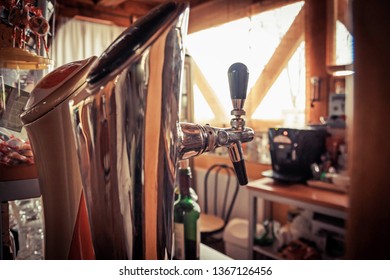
(185, 182)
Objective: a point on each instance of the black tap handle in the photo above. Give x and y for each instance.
(239, 168)
(238, 76)
(237, 158)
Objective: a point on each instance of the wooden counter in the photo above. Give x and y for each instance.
(299, 193)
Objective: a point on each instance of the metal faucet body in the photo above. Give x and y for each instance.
(195, 139)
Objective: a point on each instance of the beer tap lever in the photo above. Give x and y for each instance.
(196, 139)
(238, 76)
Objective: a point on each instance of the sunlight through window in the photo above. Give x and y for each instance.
(252, 41)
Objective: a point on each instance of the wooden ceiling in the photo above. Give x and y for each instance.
(203, 13)
(119, 12)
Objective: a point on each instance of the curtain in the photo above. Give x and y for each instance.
(80, 39)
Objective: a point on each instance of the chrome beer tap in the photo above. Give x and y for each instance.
(196, 139)
(128, 136)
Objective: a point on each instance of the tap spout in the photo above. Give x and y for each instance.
(196, 139)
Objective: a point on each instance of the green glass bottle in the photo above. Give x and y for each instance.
(186, 217)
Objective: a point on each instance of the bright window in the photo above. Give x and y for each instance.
(344, 45)
(262, 42)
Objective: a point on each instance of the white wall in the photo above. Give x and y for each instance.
(240, 209)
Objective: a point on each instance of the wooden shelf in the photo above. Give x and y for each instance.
(19, 172)
(297, 195)
(19, 189)
(18, 182)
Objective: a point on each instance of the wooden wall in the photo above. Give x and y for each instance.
(315, 48)
(369, 216)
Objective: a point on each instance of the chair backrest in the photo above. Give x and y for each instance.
(215, 189)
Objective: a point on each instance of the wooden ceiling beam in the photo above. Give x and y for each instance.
(217, 12)
(137, 9)
(214, 13)
(110, 3)
(260, 6)
(82, 2)
(122, 15)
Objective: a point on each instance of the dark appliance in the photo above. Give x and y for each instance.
(293, 151)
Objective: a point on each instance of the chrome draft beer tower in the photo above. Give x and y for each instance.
(129, 138)
(195, 139)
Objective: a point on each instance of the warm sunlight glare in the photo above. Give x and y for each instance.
(252, 41)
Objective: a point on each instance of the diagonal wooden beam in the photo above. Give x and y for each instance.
(287, 47)
(207, 92)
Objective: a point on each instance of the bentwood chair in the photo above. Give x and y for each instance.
(220, 193)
